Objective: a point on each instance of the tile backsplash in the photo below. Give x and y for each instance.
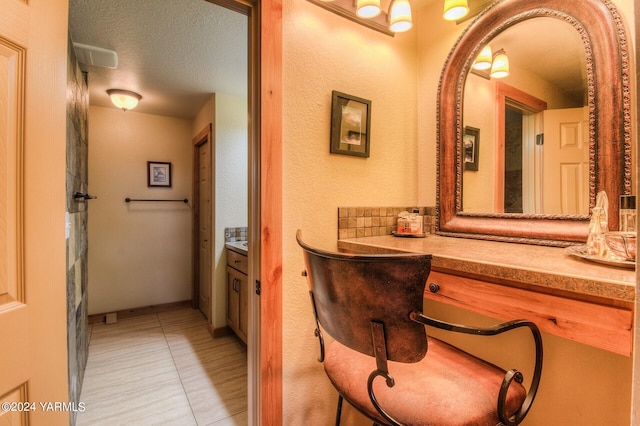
(235, 234)
(356, 222)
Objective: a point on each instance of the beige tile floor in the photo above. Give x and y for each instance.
(164, 369)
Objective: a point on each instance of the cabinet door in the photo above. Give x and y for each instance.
(243, 307)
(237, 302)
(233, 299)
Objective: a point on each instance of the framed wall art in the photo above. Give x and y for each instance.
(471, 141)
(158, 174)
(350, 125)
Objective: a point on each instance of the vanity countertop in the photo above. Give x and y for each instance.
(240, 247)
(538, 267)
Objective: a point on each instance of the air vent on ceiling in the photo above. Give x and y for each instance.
(96, 56)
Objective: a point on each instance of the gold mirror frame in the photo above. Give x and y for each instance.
(609, 99)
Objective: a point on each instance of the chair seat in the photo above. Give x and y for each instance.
(447, 387)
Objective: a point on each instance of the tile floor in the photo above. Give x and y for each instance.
(164, 369)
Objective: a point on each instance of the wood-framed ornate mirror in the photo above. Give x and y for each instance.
(601, 29)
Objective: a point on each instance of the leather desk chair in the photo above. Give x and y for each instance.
(382, 361)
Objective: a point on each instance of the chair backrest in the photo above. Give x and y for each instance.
(350, 291)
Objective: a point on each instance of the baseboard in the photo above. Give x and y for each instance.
(219, 331)
(133, 312)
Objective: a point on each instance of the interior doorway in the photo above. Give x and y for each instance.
(517, 116)
(249, 9)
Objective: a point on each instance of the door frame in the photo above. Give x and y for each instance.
(264, 349)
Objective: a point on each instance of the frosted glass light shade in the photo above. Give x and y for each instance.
(368, 8)
(124, 99)
(484, 59)
(455, 9)
(400, 16)
(500, 67)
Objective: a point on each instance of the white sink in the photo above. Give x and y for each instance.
(241, 245)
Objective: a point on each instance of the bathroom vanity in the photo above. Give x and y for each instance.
(237, 289)
(564, 295)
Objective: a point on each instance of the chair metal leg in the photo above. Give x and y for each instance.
(339, 410)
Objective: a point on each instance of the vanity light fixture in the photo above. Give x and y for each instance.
(124, 99)
(400, 16)
(370, 14)
(455, 9)
(500, 65)
(368, 8)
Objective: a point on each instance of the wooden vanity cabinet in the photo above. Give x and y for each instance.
(595, 324)
(237, 294)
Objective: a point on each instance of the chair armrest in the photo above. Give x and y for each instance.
(511, 374)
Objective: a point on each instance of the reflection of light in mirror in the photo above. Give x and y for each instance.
(484, 59)
(500, 65)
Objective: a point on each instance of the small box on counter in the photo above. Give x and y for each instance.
(411, 224)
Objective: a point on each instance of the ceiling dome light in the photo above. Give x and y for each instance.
(368, 8)
(500, 67)
(455, 9)
(400, 16)
(484, 59)
(124, 99)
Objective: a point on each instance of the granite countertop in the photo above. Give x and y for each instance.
(539, 267)
(241, 247)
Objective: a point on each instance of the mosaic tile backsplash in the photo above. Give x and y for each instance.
(235, 234)
(356, 222)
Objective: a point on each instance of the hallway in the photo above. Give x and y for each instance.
(164, 369)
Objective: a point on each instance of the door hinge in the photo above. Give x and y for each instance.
(258, 287)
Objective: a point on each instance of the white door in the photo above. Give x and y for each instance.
(33, 348)
(566, 161)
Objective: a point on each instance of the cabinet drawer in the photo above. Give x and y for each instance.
(604, 327)
(237, 261)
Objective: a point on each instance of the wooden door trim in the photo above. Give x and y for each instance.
(528, 102)
(270, 102)
(265, 118)
(203, 137)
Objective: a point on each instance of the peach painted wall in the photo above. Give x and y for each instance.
(323, 52)
(140, 252)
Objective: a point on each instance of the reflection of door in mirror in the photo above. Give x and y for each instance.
(566, 161)
(518, 164)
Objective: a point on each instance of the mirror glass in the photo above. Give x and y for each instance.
(526, 135)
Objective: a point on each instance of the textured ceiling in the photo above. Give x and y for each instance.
(173, 53)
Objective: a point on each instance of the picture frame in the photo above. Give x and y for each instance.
(158, 174)
(350, 125)
(471, 143)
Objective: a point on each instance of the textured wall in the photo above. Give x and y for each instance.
(140, 251)
(323, 52)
